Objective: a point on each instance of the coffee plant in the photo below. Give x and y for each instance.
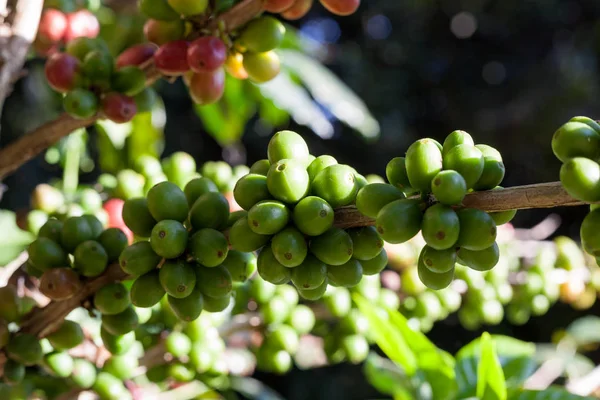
(165, 277)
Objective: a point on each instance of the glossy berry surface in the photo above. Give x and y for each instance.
(206, 54)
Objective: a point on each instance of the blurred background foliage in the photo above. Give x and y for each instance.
(509, 72)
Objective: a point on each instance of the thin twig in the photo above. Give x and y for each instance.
(585, 385)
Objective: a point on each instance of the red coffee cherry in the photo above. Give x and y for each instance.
(52, 27)
(207, 87)
(171, 58)
(61, 71)
(341, 7)
(277, 6)
(136, 55)
(298, 10)
(162, 32)
(118, 108)
(206, 54)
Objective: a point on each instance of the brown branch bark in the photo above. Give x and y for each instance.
(24, 149)
(539, 195)
(16, 35)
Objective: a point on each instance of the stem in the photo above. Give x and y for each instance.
(72, 160)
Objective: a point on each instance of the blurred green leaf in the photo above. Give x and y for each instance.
(387, 378)
(331, 92)
(551, 393)
(585, 330)
(293, 98)
(111, 145)
(387, 338)
(575, 365)
(254, 389)
(435, 365)
(226, 120)
(515, 356)
(147, 133)
(491, 384)
(13, 240)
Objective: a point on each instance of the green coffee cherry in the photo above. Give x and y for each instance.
(441, 227)
(188, 308)
(449, 187)
(261, 167)
(399, 221)
(242, 238)
(167, 201)
(345, 275)
(138, 259)
(137, 217)
(197, 187)
(477, 229)
(251, 189)
(439, 261)
(431, 279)
(375, 265)
(396, 174)
(313, 216)
(112, 298)
(67, 336)
(241, 265)
(90, 258)
(467, 160)
(334, 247)
(581, 178)
(177, 278)
(336, 184)
(287, 145)
(374, 196)
(147, 290)
(270, 269)
(288, 181)
(310, 274)
(423, 162)
(456, 138)
(45, 254)
(289, 247)
(211, 210)
(214, 282)
(24, 348)
(268, 217)
(576, 139)
(367, 244)
(493, 168)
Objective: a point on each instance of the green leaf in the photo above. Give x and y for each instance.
(491, 384)
(387, 338)
(13, 240)
(147, 133)
(226, 119)
(253, 389)
(293, 98)
(575, 365)
(515, 356)
(435, 365)
(387, 378)
(332, 93)
(111, 145)
(551, 393)
(585, 330)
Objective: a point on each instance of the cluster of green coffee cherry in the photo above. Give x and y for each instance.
(178, 168)
(66, 250)
(577, 145)
(59, 371)
(448, 172)
(50, 201)
(289, 202)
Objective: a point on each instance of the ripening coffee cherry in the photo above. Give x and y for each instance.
(423, 162)
(188, 7)
(234, 65)
(60, 283)
(118, 108)
(136, 55)
(207, 87)
(171, 58)
(62, 72)
(206, 54)
(162, 32)
(278, 6)
(52, 27)
(81, 23)
(158, 9)
(262, 34)
(298, 10)
(341, 7)
(81, 103)
(262, 67)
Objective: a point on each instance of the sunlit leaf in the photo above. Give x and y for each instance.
(293, 98)
(551, 393)
(585, 330)
(491, 384)
(332, 93)
(515, 356)
(254, 389)
(436, 366)
(147, 133)
(226, 119)
(13, 240)
(387, 337)
(575, 364)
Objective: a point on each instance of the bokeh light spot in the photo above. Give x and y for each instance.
(463, 25)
